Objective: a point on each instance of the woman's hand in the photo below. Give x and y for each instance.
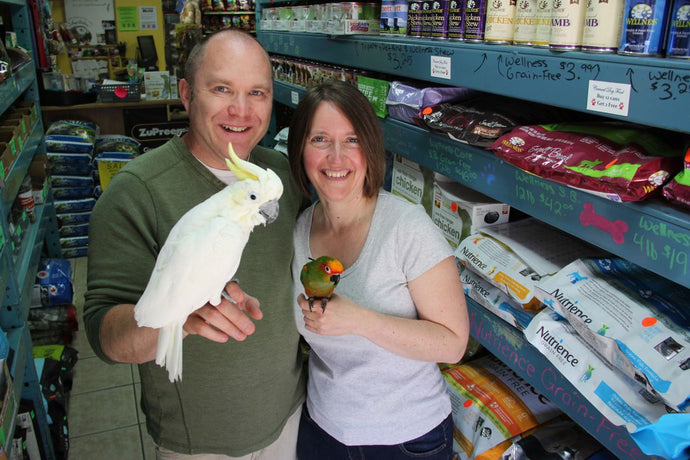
(340, 317)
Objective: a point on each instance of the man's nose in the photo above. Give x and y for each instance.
(239, 106)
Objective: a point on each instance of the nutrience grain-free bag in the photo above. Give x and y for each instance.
(618, 171)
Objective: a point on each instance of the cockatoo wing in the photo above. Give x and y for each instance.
(192, 268)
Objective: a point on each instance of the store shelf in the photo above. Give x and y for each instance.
(228, 13)
(32, 145)
(652, 233)
(510, 346)
(658, 89)
(14, 86)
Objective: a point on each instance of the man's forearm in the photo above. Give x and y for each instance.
(123, 340)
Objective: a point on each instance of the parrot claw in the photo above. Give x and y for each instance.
(324, 302)
(311, 303)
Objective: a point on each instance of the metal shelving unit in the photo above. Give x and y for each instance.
(653, 234)
(19, 264)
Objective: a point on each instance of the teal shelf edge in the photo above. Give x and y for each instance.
(652, 234)
(18, 342)
(20, 167)
(655, 90)
(510, 346)
(14, 86)
(14, 2)
(18, 298)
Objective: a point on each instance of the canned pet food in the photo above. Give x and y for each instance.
(500, 15)
(644, 24)
(439, 21)
(387, 21)
(544, 14)
(475, 20)
(525, 30)
(400, 17)
(567, 24)
(456, 25)
(427, 18)
(679, 30)
(603, 23)
(414, 18)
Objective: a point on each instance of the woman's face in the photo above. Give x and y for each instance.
(333, 157)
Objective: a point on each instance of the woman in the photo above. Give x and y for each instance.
(375, 390)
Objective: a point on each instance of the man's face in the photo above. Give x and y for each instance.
(231, 100)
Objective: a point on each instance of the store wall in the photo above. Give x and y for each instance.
(129, 37)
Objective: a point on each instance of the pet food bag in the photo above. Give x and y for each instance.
(491, 405)
(638, 321)
(678, 189)
(404, 101)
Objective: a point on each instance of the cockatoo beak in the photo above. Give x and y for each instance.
(270, 211)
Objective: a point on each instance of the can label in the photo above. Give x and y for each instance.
(456, 25)
(525, 30)
(387, 21)
(567, 24)
(427, 18)
(439, 21)
(400, 17)
(644, 27)
(475, 19)
(544, 14)
(500, 17)
(414, 18)
(679, 30)
(603, 24)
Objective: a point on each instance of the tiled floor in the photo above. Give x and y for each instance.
(105, 422)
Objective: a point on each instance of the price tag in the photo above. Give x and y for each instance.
(440, 67)
(607, 97)
(294, 97)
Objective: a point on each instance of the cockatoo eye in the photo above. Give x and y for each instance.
(252, 196)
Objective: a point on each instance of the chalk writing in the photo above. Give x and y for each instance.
(550, 383)
(669, 84)
(513, 67)
(658, 240)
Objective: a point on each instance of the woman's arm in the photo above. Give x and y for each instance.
(439, 335)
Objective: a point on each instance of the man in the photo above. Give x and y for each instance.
(242, 386)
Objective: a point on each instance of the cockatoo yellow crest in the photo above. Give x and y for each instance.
(202, 253)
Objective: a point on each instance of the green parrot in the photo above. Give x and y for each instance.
(319, 277)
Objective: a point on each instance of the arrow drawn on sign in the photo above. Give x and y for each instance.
(630, 73)
(482, 63)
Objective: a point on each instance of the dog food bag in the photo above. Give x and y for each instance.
(73, 136)
(590, 162)
(493, 299)
(618, 397)
(678, 189)
(491, 405)
(638, 321)
(512, 259)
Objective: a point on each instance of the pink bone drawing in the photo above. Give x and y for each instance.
(617, 229)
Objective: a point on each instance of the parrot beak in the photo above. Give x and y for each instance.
(335, 278)
(270, 211)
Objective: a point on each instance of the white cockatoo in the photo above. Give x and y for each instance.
(202, 253)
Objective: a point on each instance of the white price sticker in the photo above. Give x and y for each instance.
(294, 97)
(608, 97)
(440, 67)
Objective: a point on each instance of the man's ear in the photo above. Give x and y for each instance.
(185, 91)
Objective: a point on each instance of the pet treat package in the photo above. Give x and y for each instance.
(678, 189)
(635, 319)
(481, 120)
(404, 101)
(615, 163)
(491, 405)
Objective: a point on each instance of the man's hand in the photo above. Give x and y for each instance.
(230, 319)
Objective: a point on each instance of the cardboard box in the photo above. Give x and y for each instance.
(13, 139)
(157, 85)
(6, 161)
(459, 211)
(413, 182)
(8, 403)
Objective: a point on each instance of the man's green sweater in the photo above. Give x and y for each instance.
(234, 398)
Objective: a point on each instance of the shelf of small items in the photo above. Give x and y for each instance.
(109, 53)
(227, 14)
